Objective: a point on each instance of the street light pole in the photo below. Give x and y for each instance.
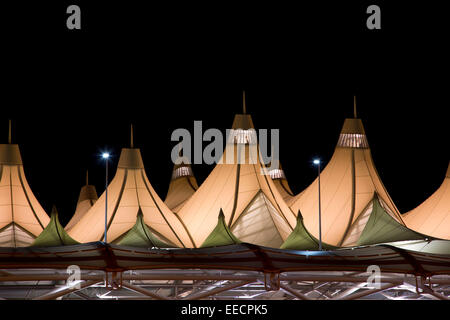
(320, 213)
(105, 156)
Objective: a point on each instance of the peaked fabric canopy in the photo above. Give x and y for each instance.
(221, 235)
(141, 236)
(375, 225)
(182, 186)
(54, 234)
(254, 209)
(22, 218)
(301, 239)
(348, 183)
(87, 198)
(129, 191)
(432, 217)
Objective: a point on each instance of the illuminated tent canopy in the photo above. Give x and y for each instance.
(253, 208)
(129, 192)
(221, 235)
(54, 234)
(432, 217)
(348, 184)
(182, 185)
(22, 218)
(375, 225)
(301, 239)
(87, 198)
(141, 236)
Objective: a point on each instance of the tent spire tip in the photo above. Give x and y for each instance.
(9, 133)
(131, 138)
(244, 107)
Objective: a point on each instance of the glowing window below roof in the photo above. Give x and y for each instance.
(276, 174)
(353, 140)
(241, 136)
(182, 172)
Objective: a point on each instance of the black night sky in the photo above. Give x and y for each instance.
(72, 94)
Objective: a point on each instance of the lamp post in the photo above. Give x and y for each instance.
(317, 162)
(105, 156)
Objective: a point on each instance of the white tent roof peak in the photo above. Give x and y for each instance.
(244, 106)
(9, 132)
(129, 191)
(348, 183)
(87, 192)
(242, 121)
(131, 159)
(21, 216)
(353, 126)
(88, 196)
(131, 137)
(10, 154)
(253, 207)
(353, 135)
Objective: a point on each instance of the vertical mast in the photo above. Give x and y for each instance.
(244, 107)
(131, 138)
(9, 133)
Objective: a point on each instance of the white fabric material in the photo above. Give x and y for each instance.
(129, 190)
(336, 191)
(232, 187)
(17, 202)
(14, 236)
(432, 217)
(256, 225)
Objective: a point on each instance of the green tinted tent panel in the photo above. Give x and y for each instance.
(141, 236)
(301, 239)
(381, 227)
(54, 234)
(221, 235)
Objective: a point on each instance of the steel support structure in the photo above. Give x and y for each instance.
(189, 284)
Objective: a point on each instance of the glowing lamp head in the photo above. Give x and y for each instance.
(105, 155)
(316, 161)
